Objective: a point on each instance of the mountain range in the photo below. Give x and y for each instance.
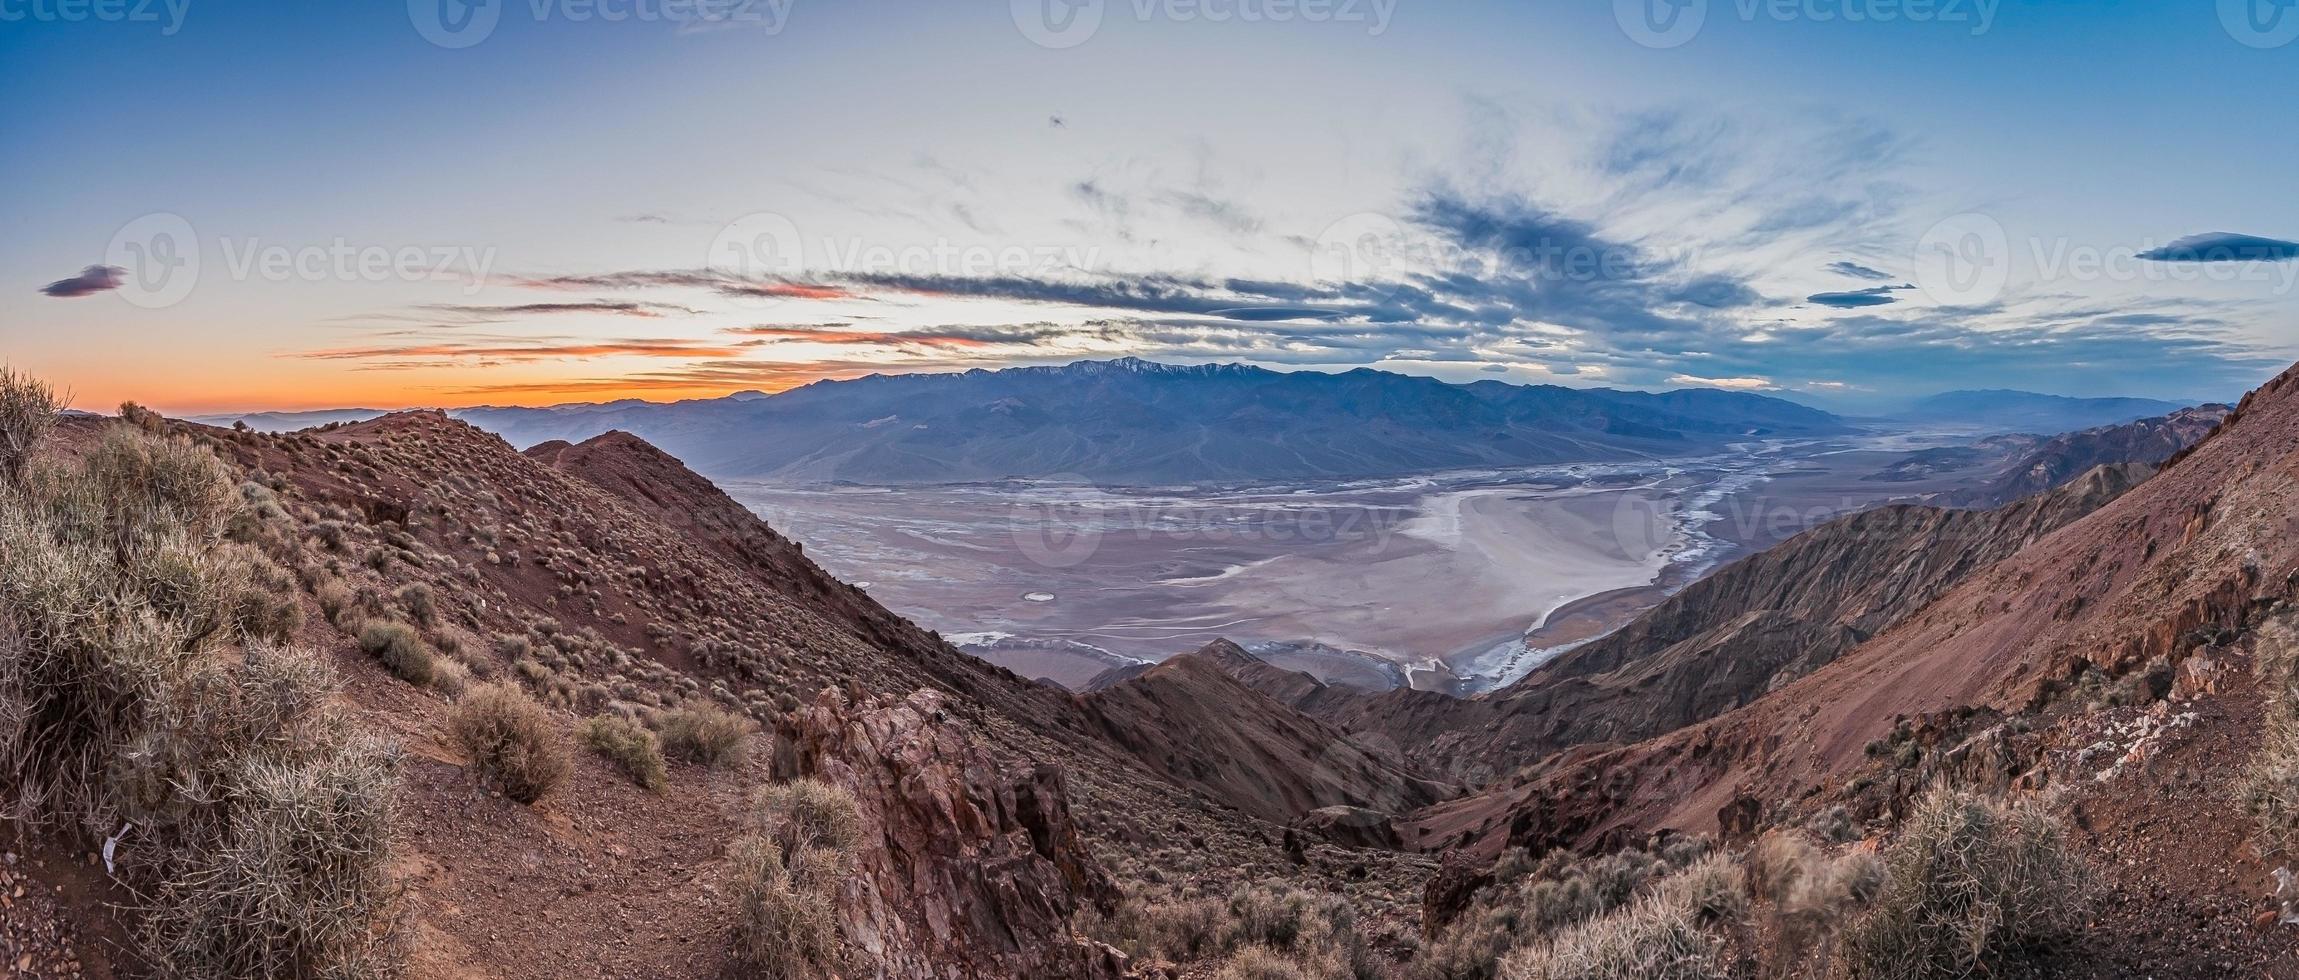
(2000, 410)
(1131, 421)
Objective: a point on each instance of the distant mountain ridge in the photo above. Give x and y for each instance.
(1132, 421)
(2003, 410)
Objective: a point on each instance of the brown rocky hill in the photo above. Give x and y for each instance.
(2105, 669)
(998, 817)
(1194, 723)
(2146, 442)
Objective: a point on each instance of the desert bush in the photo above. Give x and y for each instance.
(706, 734)
(785, 926)
(1259, 963)
(1971, 886)
(786, 873)
(1532, 900)
(630, 747)
(510, 740)
(28, 410)
(129, 695)
(421, 605)
(294, 885)
(806, 813)
(1655, 939)
(449, 676)
(400, 648)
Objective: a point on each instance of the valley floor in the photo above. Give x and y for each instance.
(1457, 582)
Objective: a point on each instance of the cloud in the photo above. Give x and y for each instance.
(1858, 271)
(720, 281)
(614, 307)
(1729, 384)
(1857, 298)
(2220, 246)
(536, 351)
(91, 280)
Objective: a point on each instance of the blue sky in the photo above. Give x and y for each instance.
(565, 207)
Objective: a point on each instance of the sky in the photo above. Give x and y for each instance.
(229, 206)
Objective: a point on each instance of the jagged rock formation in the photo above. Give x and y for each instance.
(970, 869)
(1194, 723)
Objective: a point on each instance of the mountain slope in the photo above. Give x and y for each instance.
(1131, 421)
(605, 578)
(1193, 722)
(2175, 569)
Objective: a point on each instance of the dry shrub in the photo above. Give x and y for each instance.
(510, 739)
(706, 734)
(630, 747)
(1532, 900)
(400, 648)
(449, 676)
(786, 871)
(28, 408)
(1972, 886)
(1259, 963)
(129, 696)
(1658, 938)
(291, 887)
(421, 605)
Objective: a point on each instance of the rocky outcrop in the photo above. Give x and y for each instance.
(976, 869)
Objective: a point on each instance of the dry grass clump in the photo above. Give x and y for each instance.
(510, 740)
(400, 648)
(1258, 963)
(786, 872)
(1532, 900)
(1972, 887)
(28, 409)
(630, 747)
(293, 884)
(131, 693)
(706, 734)
(1655, 939)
